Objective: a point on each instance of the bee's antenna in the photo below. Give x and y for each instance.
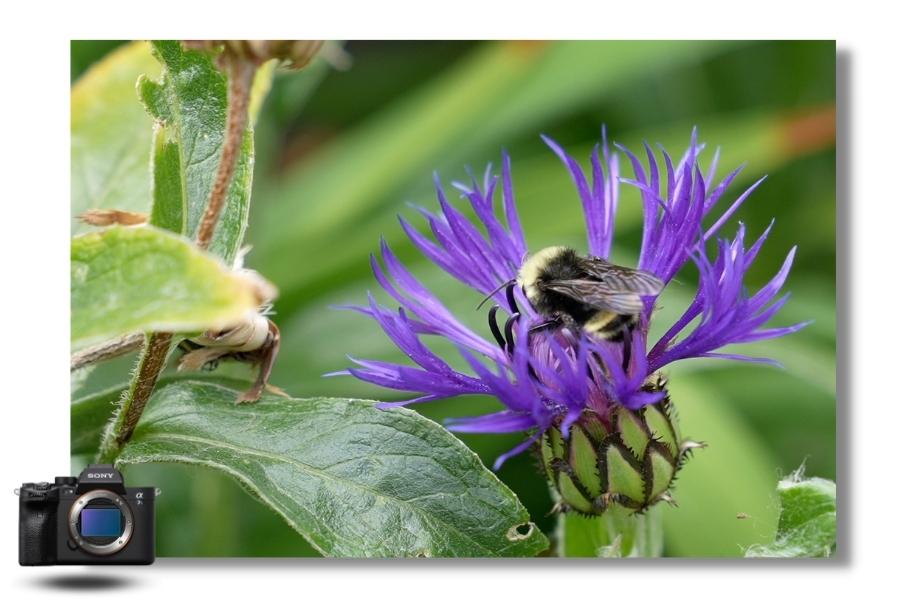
(498, 288)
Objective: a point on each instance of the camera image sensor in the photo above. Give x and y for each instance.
(101, 522)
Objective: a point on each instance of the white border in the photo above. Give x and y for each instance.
(34, 194)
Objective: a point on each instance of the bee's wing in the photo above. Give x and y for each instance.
(597, 295)
(623, 279)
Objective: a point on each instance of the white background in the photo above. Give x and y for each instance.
(34, 213)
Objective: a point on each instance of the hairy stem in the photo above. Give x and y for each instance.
(240, 80)
(107, 350)
(156, 349)
(135, 398)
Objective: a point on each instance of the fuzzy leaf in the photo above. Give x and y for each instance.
(190, 105)
(125, 280)
(352, 479)
(110, 135)
(807, 526)
(90, 410)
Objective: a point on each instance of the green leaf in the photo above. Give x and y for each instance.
(190, 105)
(111, 135)
(807, 527)
(352, 479)
(90, 412)
(125, 280)
(168, 195)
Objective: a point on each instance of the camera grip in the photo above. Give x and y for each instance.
(37, 532)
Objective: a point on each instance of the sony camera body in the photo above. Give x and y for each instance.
(89, 520)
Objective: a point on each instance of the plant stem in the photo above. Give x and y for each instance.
(617, 533)
(240, 74)
(240, 79)
(151, 362)
(107, 350)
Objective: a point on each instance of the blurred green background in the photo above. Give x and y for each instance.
(340, 152)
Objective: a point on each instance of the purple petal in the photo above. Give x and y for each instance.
(509, 209)
(598, 201)
(516, 450)
(731, 209)
(500, 422)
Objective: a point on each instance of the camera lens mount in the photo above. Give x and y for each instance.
(109, 500)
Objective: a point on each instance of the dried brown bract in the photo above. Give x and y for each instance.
(103, 217)
(293, 54)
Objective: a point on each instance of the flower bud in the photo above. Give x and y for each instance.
(630, 458)
(294, 54)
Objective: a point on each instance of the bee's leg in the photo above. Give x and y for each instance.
(508, 330)
(568, 322)
(511, 299)
(267, 354)
(549, 324)
(495, 329)
(504, 338)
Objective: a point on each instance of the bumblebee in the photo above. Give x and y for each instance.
(586, 292)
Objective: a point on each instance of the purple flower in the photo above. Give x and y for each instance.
(550, 377)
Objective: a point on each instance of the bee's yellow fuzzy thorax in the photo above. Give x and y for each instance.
(532, 267)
